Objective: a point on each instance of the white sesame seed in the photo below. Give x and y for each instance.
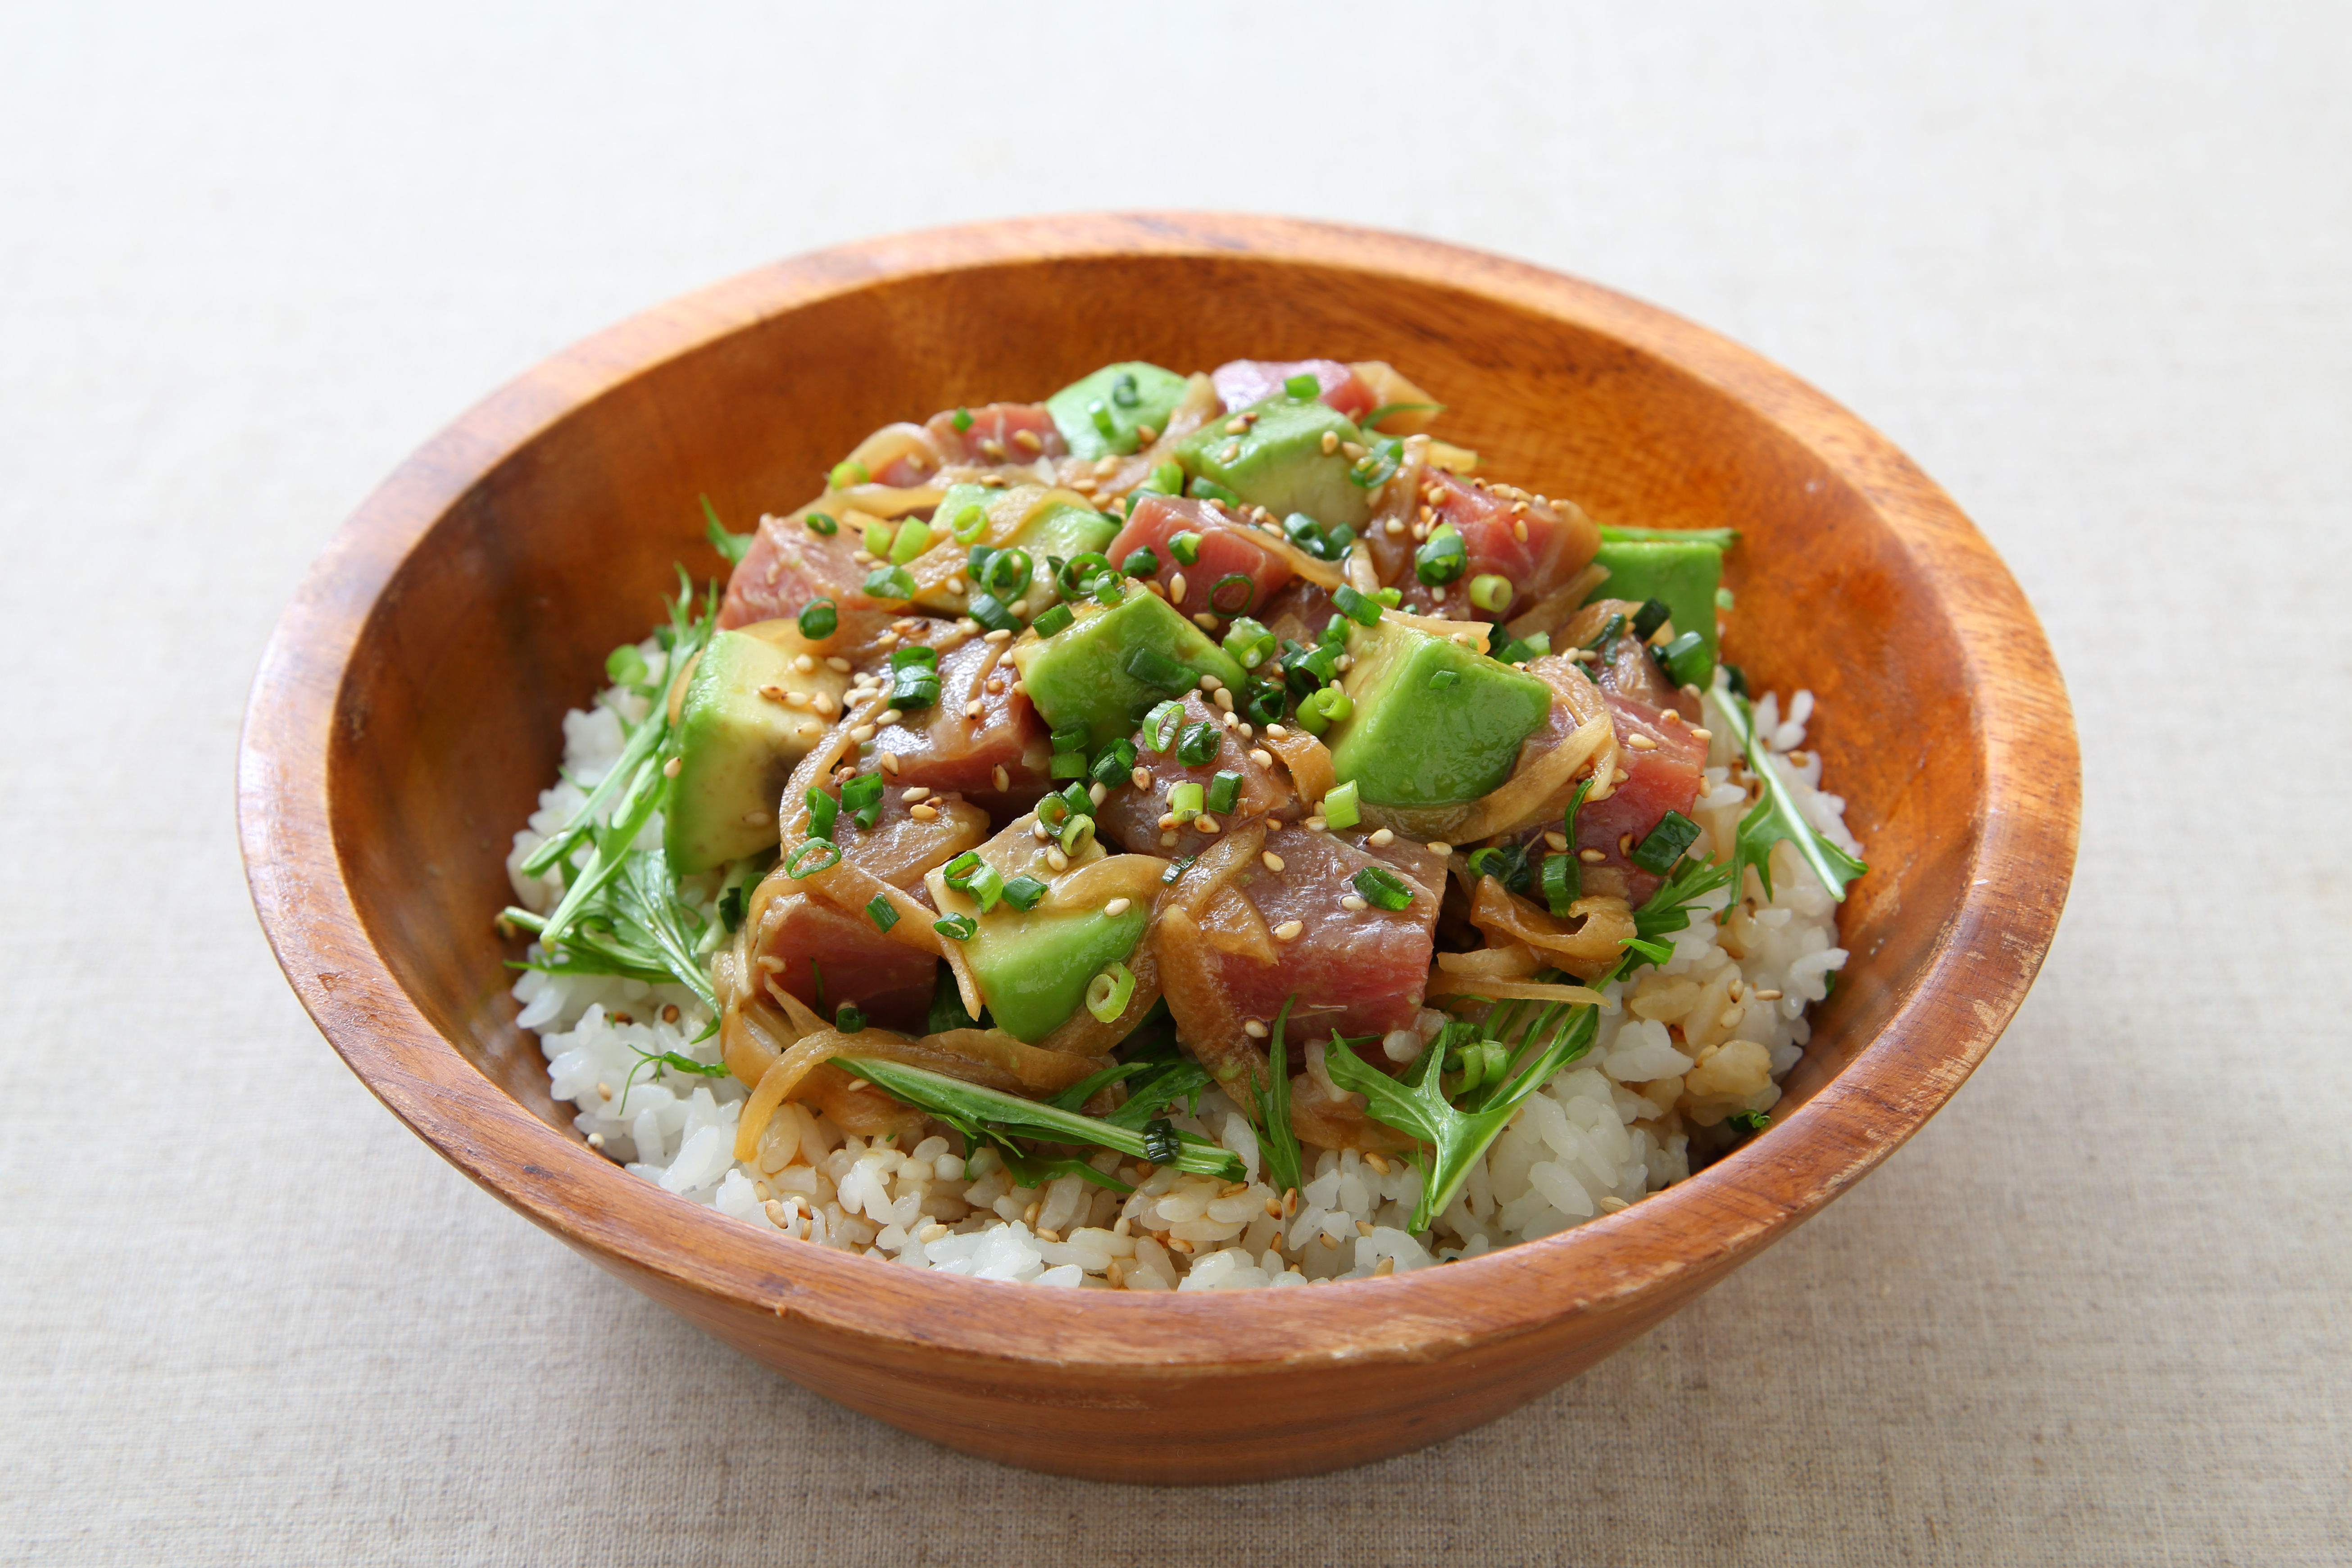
(1262, 757)
(1556, 839)
(888, 716)
(1641, 743)
(1140, 777)
(998, 777)
(1176, 586)
(915, 793)
(1384, 837)
(1057, 860)
(670, 768)
(1393, 528)
(926, 812)
(1205, 621)
(1205, 822)
(1701, 735)
(1117, 907)
(1273, 861)
(773, 693)
(1289, 931)
(796, 700)
(1438, 847)
(1237, 426)
(1210, 683)
(1590, 857)
(1097, 793)
(1018, 607)
(1316, 824)
(973, 710)
(1002, 633)
(1330, 442)
(1277, 732)
(1225, 699)
(1352, 903)
(889, 764)
(1254, 1029)
(1168, 841)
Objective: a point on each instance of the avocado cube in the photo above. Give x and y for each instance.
(1279, 463)
(1086, 673)
(1681, 574)
(1047, 526)
(1097, 416)
(737, 747)
(1033, 969)
(1434, 723)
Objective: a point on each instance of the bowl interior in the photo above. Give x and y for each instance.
(498, 620)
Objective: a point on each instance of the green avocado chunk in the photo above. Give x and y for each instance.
(736, 747)
(1434, 723)
(1052, 528)
(1681, 575)
(1033, 969)
(1279, 462)
(1109, 665)
(1098, 415)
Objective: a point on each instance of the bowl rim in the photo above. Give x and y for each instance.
(1946, 1015)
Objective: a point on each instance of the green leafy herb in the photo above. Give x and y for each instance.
(1277, 1140)
(635, 927)
(733, 546)
(999, 1117)
(1748, 1120)
(657, 1060)
(1775, 816)
(1663, 845)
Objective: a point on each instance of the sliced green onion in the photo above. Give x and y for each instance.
(861, 798)
(1382, 886)
(1076, 834)
(1160, 726)
(1076, 576)
(916, 686)
(1654, 614)
(1340, 805)
(1307, 534)
(1490, 591)
(1224, 789)
(970, 875)
(1113, 763)
(1186, 547)
(1385, 409)
(1100, 415)
(1176, 869)
(990, 612)
(1067, 765)
(882, 911)
(1186, 800)
(1222, 597)
(1748, 1120)
(1303, 387)
(1069, 738)
(1267, 704)
(1080, 801)
(1377, 464)
(878, 536)
(1155, 668)
(1168, 478)
(1197, 744)
(1443, 678)
(1108, 590)
(1055, 619)
(849, 1018)
(1560, 881)
(913, 538)
(846, 473)
(1248, 642)
(1443, 558)
(1318, 711)
(824, 811)
(962, 420)
(1685, 660)
(1141, 562)
(1007, 572)
(811, 856)
(819, 619)
(1209, 489)
(1023, 892)
(820, 523)
(1388, 598)
(890, 583)
(1663, 845)
(1107, 994)
(957, 928)
(1122, 390)
(1356, 606)
(625, 666)
(969, 523)
(1052, 812)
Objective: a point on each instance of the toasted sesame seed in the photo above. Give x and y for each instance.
(1274, 1206)
(1327, 1239)
(1176, 586)
(796, 700)
(1393, 528)
(889, 764)
(1254, 1029)
(1363, 1227)
(1210, 683)
(994, 686)
(1098, 793)
(1167, 819)
(1233, 450)
(1384, 1268)
(825, 704)
(1353, 449)
(1620, 775)
(1039, 831)
(1556, 839)
(604, 1090)
(1289, 931)
(888, 716)
(974, 708)
(1002, 633)
(1027, 441)
(1373, 1158)
(1117, 907)
(1731, 1016)
(1018, 607)
(1670, 717)
(669, 768)
(1205, 621)
(1205, 822)
(933, 1231)
(1237, 426)
(926, 812)
(1140, 777)
(1382, 837)
(773, 693)
(991, 447)
(1766, 995)
(864, 558)
(595, 1140)
(998, 777)
(1273, 861)
(1168, 839)
(1085, 484)
(1262, 757)
(1590, 857)
(1625, 844)
(1316, 824)
(1701, 735)
(889, 638)
(1145, 435)
(1439, 847)
(669, 1013)
(915, 793)
(993, 481)
(1057, 860)
(1223, 699)
(1230, 719)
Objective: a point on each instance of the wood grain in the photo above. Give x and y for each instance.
(406, 713)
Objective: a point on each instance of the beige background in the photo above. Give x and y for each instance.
(2091, 265)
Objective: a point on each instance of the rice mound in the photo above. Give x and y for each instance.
(1619, 1123)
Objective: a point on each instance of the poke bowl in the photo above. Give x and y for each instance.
(1380, 816)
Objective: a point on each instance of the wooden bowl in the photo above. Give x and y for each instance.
(407, 712)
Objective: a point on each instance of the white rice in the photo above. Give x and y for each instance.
(1607, 1129)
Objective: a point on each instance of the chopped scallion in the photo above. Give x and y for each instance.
(956, 927)
(1186, 547)
(914, 537)
(848, 473)
(969, 523)
(849, 1018)
(1155, 668)
(811, 856)
(1304, 387)
(1318, 711)
(1160, 726)
(1141, 562)
(823, 811)
(1055, 619)
(882, 911)
(1340, 808)
(1186, 800)
(1233, 594)
(861, 798)
(1109, 993)
(1224, 789)
(1357, 607)
(890, 583)
(1654, 614)
(1444, 679)
(1443, 558)
(1381, 887)
(962, 420)
(1023, 892)
(819, 619)
(1197, 744)
(1491, 592)
(820, 523)
(1249, 642)
(990, 612)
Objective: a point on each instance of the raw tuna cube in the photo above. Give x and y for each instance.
(1665, 777)
(1360, 972)
(787, 566)
(1555, 548)
(949, 746)
(1129, 817)
(999, 433)
(1226, 548)
(826, 957)
(1243, 382)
